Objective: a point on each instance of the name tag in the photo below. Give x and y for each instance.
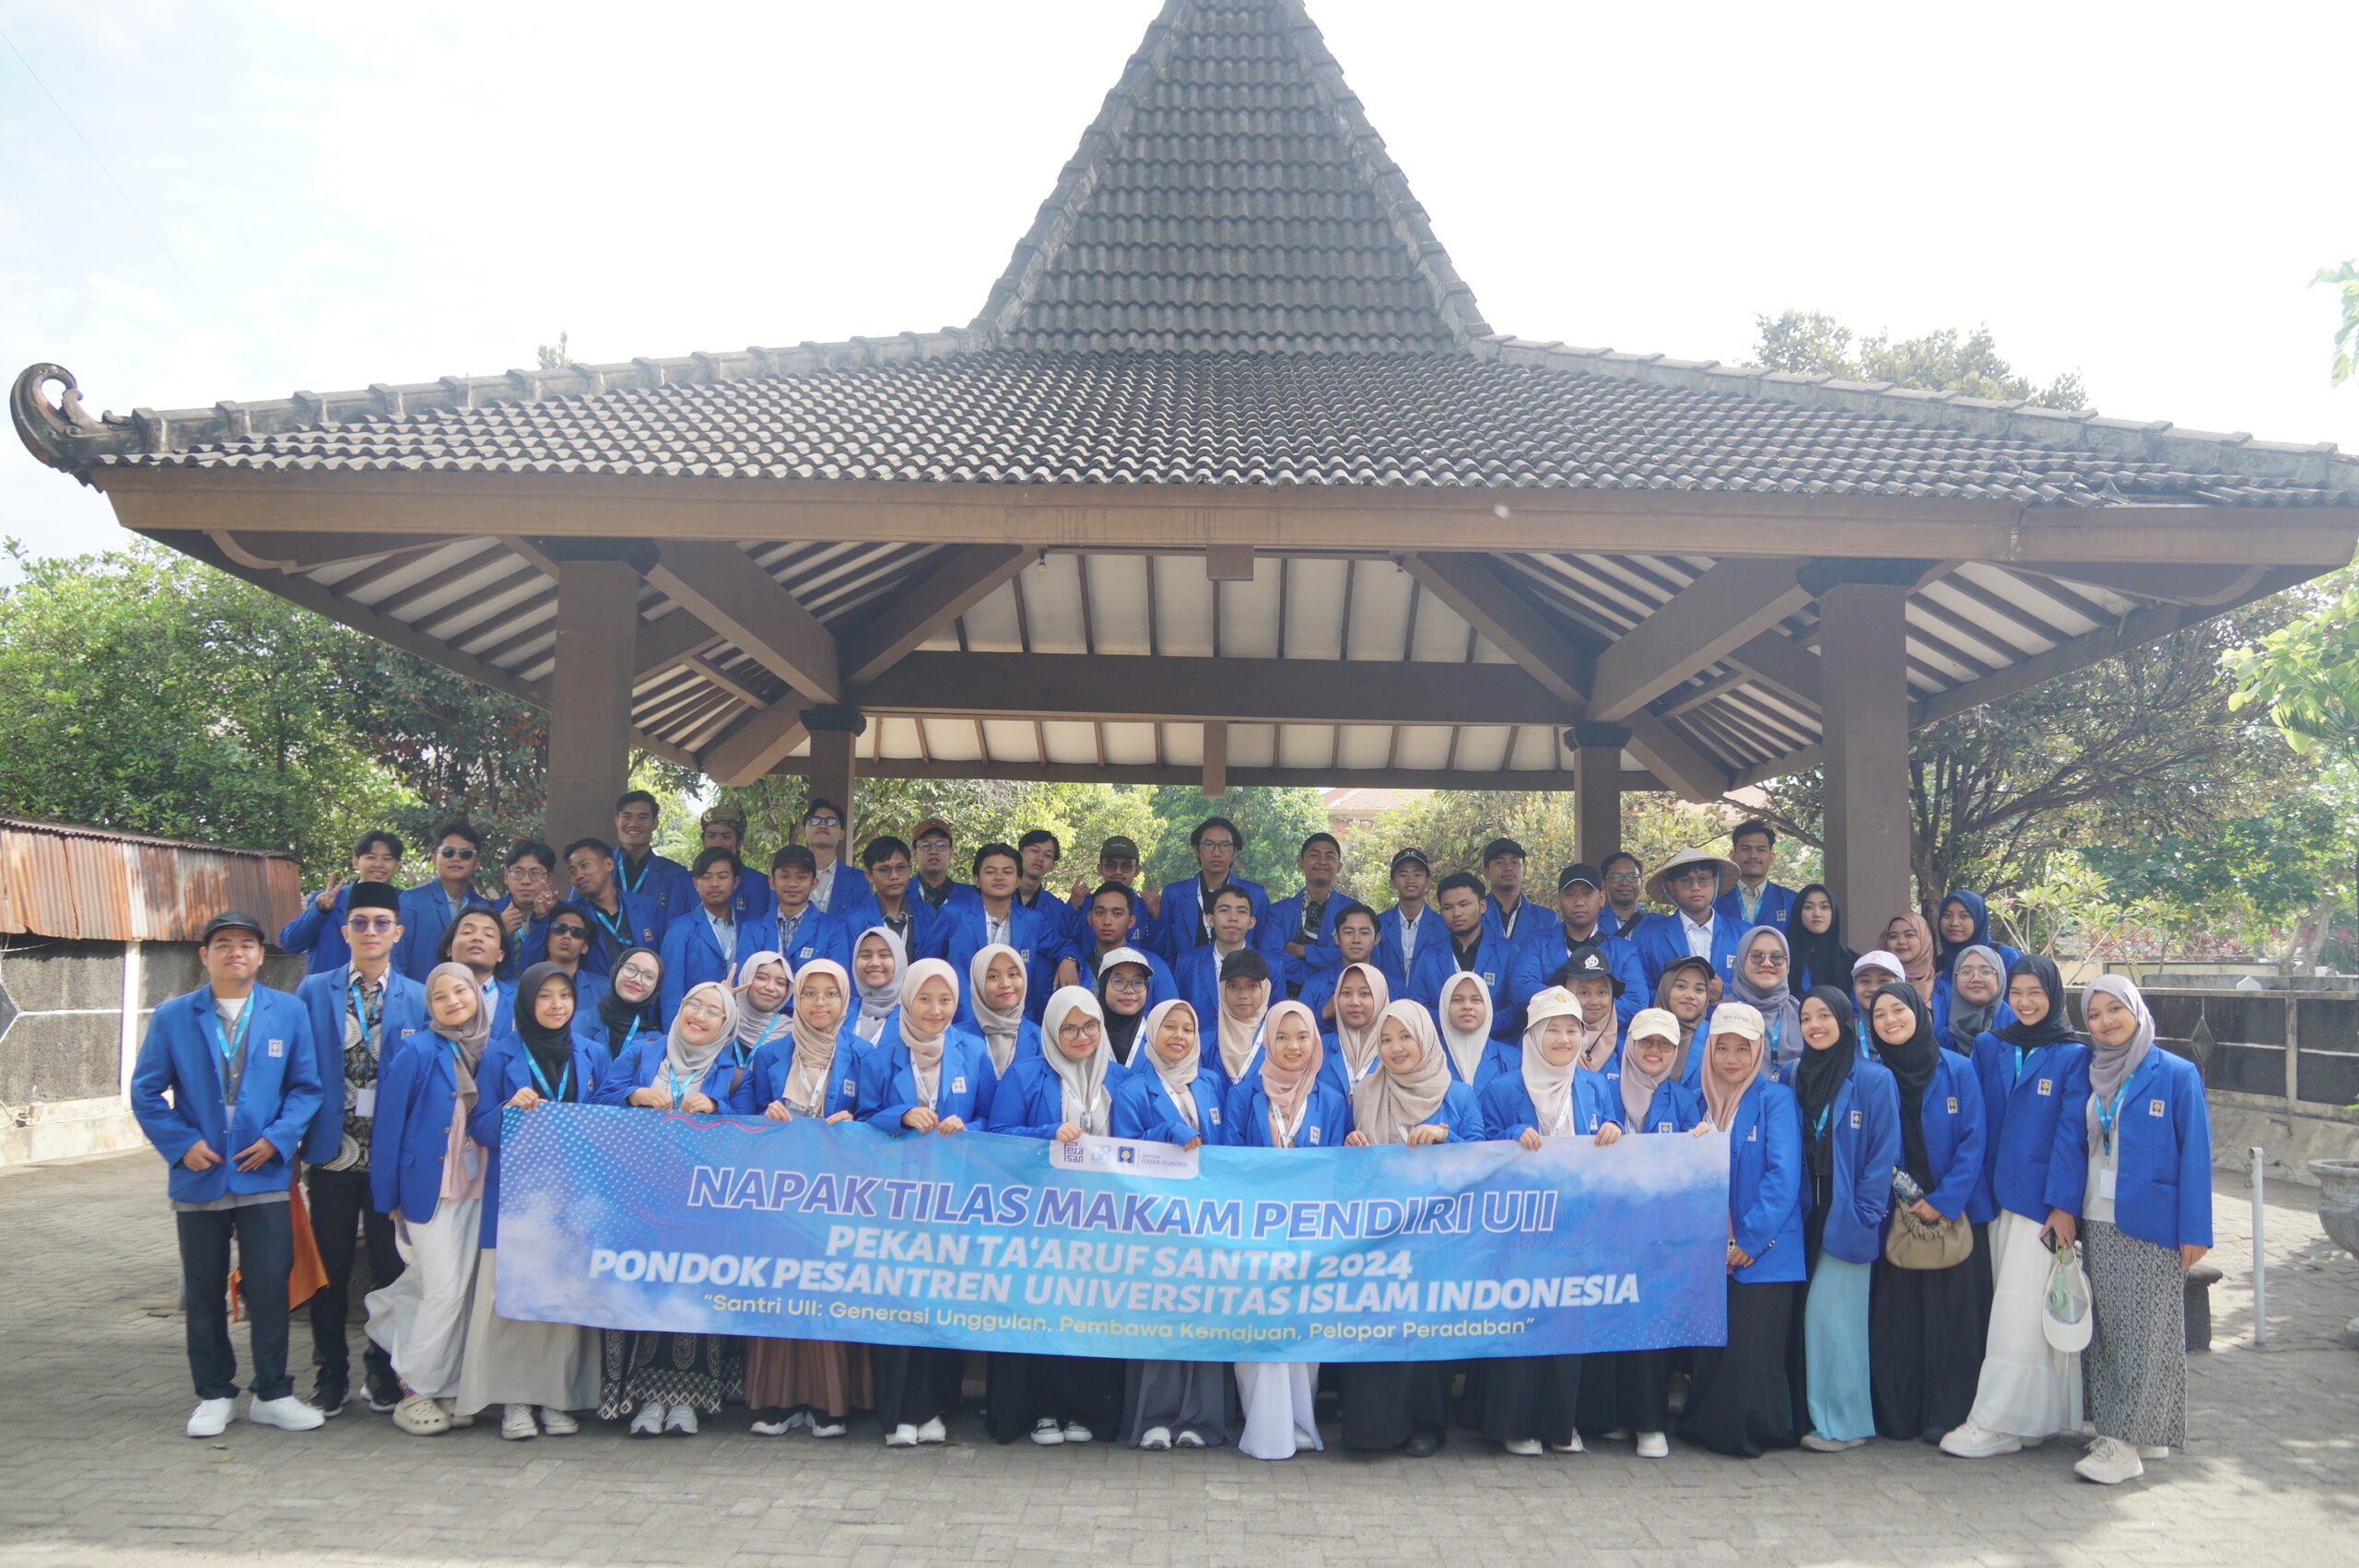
(1314, 1134)
(405, 1033)
(2153, 1108)
(2044, 1085)
(1855, 1119)
(278, 1048)
(958, 1086)
(1213, 1112)
(364, 1101)
(1752, 1133)
(1952, 1105)
(2105, 1179)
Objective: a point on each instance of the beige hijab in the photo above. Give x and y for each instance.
(1357, 1047)
(685, 1064)
(1920, 970)
(999, 1028)
(1721, 1099)
(1550, 1084)
(1386, 1104)
(805, 1089)
(1637, 1087)
(473, 1035)
(1289, 1092)
(1237, 1039)
(1177, 1077)
(926, 1055)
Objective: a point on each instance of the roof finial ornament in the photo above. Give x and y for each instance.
(62, 433)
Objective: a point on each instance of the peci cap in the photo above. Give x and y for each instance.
(234, 920)
(1578, 872)
(372, 895)
(726, 814)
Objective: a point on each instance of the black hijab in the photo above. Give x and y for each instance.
(1913, 1063)
(2053, 1029)
(619, 1016)
(1121, 1030)
(551, 1050)
(1819, 1076)
(1819, 957)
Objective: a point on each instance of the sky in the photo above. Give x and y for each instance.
(238, 199)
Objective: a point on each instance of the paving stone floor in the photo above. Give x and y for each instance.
(94, 1467)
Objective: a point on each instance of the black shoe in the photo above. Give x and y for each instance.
(385, 1391)
(330, 1392)
(1423, 1443)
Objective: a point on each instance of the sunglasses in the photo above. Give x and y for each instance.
(376, 926)
(578, 934)
(822, 822)
(455, 852)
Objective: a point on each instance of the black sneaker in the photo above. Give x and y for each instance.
(385, 1392)
(329, 1393)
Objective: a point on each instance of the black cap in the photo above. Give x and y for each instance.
(232, 921)
(1691, 961)
(1245, 964)
(1498, 847)
(795, 855)
(1579, 870)
(1587, 962)
(372, 895)
(1412, 855)
(1118, 849)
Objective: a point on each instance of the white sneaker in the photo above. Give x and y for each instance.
(1972, 1441)
(902, 1437)
(1523, 1447)
(1077, 1433)
(1572, 1447)
(1047, 1432)
(1191, 1439)
(1157, 1438)
(1813, 1442)
(933, 1432)
(649, 1422)
(516, 1423)
(2154, 1450)
(774, 1428)
(1653, 1445)
(211, 1417)
(2109, 1462)
(682, 1420)
(286, 1413)
(830, 1428)
(557, 1424)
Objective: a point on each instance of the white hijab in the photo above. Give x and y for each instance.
(1466, 1047)
(1549, 1083)
(1087, 1104)
(1177, 1077)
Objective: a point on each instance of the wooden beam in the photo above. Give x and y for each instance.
(964, 580)
(727, 682)
(309, 552)
(758, 744)
(1215, 776)
(1732, 603)
(2181, 582)
(1677, 761)
(663, 644)
(724, 586)
(1782, 662)
(1537, 780)
(1484, 596)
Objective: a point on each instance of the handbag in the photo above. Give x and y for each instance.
(2064, 1315)
(1910, 1242)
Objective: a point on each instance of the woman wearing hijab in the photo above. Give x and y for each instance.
(1925, 1326)
(765, 985)
(1288, 1104)
(1815, 935)
(1737, 1401)
(2145, 1220)
(997, 982)
(878, 960)
(1850, 1119)
(1465, 1021)
(628, 1010)
(1627, 1393)
(1910, 940)
(1970, 1001)
(924, 1076)
(1685, 992)
(1409, 1097)
(808, 1074)
(525, 1367)
(1233, 1042)
(1361, 996)
(1063, 1094)
(661, 1379)
(1764, 968)
(429, 1178)
(1964, 921)
(1528, 1404)
(2035, 1077)
(1125, 981)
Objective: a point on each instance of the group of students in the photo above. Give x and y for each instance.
(1933, 1084)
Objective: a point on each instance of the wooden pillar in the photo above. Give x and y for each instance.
(1216, 758)
(835, 748)
(1597, 783)
(597, 642)
(1863, 662)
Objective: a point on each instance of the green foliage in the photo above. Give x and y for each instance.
(2306, 672)
(2275, 866)
(1271, 824)
(1811, 342)
(2346, 336)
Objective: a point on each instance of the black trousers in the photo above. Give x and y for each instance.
(265, 1236)
(342, 1222)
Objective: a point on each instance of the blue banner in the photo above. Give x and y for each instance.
(628, 1218)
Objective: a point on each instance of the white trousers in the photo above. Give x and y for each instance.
(421, 1318)
(2028, 1389)
(1277, 1397)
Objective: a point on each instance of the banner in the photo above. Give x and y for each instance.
(629, 1218)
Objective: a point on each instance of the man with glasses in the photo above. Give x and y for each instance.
(1624, 880)
(357, 1015)
(1690, 882)
(428, 909)
(570, 939)
(840, 888)
(1187, 907)
(638, 867)
(618, 920)
(318, 931)
(530, 871)
(931, 843)
(885, 900)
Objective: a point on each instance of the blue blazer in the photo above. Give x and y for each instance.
(319, 933)
(1161, 984)
(961, 895)
(1061, 917)
(591, 1030)
(1495, 960)
(1866, 1121)
(1545, 953)
(926, 929)
(324, 998)
(820, 935)
(1532, 922)
(279, 1097)
(692, 957)
(1462, 1114)
(888, 1089)
(1776, 907)
(1144, 1110)
(1676, 1107)
(1955, 1133)
(1662, 941)
(642, 1063)
(654, 879)
(425, 916)
(2163, 1139)
(1195, 980)
(1183, 916)
(1029, 1101)
(1507, 1109)
(1397, 964)
(776, 1059)
(2031, 1162)
(1326, 1119)
(850, 890)
(507, 1067)
(1767, 1187)
(752, 901)
(1320, 955)
(642, 923)
(417, 1097)
(1036, 937)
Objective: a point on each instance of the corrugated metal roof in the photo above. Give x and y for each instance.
(88, 885)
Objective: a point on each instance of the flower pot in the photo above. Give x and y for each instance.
(2339, 1200)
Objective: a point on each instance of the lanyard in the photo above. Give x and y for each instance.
(623, 874)
(564, 1084)
(2109, 1115)
(615, 925)
(230, 1044)
(672, 1077)
(356, 999)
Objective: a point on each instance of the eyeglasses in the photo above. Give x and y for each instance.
(822, 821)
(1080, 1029)
(1216, 844)
(376, 926)
(455, 852)
(1765, 960)
(1125, 983)
(1621, 876)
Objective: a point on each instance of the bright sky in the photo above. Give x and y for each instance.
(275, 194)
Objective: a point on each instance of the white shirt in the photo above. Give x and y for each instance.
(1409, 938)
(1748, 900)
(995, 932)
(824, 887)
(1699, 937)
(725, 932)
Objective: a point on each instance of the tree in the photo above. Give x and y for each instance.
(2346, 336)
(1270, 826)
(979, 810)
(1811, 342)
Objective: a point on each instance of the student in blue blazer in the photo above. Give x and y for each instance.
(479, 942)
(530, 898)
(1232, 1035)
(1971, 999)
(1198, 971)
(537, 1372)
(1403, 930)
(238, 1063)
(425, 1171)
(1580, 901)
(1467, 946)
(619, 919)
(997, 980)
(1111, 920)
(2145, 1220)
(638, 868)
(764, 988)
(662, 1381)
(700, 946)
(1304, 922)
(1181, 925)
(1463, 1018)
(1352, 1038)
(627, 1009)
(994, 915)
(1689, 882)
(1411, 1099)
(428, 908)
(1169, 1097)
(811, 1071)
(1963, 922)
(722, 828)
(1506, 913)
(569, 937)
(795, 925)
(1925, 1326)
(2035, 1078)
(1737, 1401)
(1850, 1118)
(318, 931)
(1354, 936)
(1754, 900)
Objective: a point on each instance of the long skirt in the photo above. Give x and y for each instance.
(2027, 1388)
(1181, 1396)
(1022, 1389)
(648, 1368)
(782, 1375)
(916, 1385)
(510, 1361)
(1835, 1401)
(1386, 1403)
(420, 1320)
(2136, 1362)
(1523, 1399)
(1925, 1333)
(1737, 1401)
(1278, 1398)
(1626, 1391)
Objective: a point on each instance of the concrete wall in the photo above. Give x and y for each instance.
(2280, 1067)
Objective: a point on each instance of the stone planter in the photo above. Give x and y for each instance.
(2338, 1213)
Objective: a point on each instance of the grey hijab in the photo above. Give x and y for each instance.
(2110, 1066)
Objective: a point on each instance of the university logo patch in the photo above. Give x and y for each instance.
(2044, 1085)
(278, 1048)
(1855, 1119)
(958, 1085)
(1952, 1105)
(2153, 1108)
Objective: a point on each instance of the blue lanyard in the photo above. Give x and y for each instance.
(357, 1002)
(565, 1083)
(623, 871)
(2108, 1117)
(230, 1044)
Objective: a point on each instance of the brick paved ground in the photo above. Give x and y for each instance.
(94, 1469)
